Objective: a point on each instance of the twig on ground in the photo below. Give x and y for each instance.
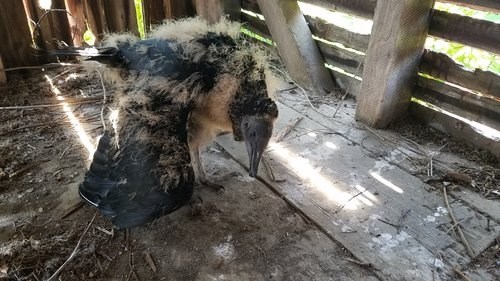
(455, 224)
(362, 264)
(389, 223)
(75, 251)
(39, 106)
(263, 253)
(269, 170)
(24, 169)
(64, 152)
(48, 65)
(461, 274)
(150, 261)
(279, 137)
(459, 229)
(402, 219)
(71, 209)
(346, 92)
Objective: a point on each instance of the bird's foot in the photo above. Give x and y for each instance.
(196, 206)
(217, 187)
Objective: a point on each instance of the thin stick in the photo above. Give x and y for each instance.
(64, 152)
(38, 106)
(75, 251)
(38, 66)
(150, 261)
(461, 274)
(346, 92)
(455, 225)
(459, 229)
(288, 129)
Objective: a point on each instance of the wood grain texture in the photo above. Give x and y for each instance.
(469, 31)
(76, 20)
(394, 52)
(15, 45)
(212, 10)
(3, 75)
(443, 67)
(94, 14)
(483, 105)
(296, 47)
(121, 16)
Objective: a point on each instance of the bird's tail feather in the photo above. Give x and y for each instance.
(97, 182)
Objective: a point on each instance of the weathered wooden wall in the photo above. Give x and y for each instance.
(479, 101)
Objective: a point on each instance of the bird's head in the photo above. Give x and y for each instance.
(253, 123)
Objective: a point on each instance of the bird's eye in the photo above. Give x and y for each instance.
(246, 124)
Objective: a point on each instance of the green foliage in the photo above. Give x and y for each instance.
(468, 56)
(140, 18)
(89, 37)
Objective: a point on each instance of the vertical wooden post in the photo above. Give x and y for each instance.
(53, 25)
(394, 52)
(297, 49)
(212, 10)
(76, 20)
(94, 13)
(15, 45)
(3, 76)
(120, 16)
(156, 11)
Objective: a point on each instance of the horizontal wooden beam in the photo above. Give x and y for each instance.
(445, 68)
(341, 58)
(331, 32)
(482, 5)
(446, 123)
(469, 31)
(360, 8)
(441, 92)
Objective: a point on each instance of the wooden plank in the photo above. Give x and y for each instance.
(459, 129)
(76, 20)
(482, 5)
(53, 24)
(483, 105)
(443, 67)
(156, 11)
(318, 27)
(452, 101)
(212, 10)
(469, 31)
(120, 16)
(342, 58)
(478, 202)
(333, 55)
(326, 186)
(394, 52)
(331, 32)
(16, 42)
(296, 47)
(346, 83)
(360, 8)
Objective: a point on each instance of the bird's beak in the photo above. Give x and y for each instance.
(256, 133)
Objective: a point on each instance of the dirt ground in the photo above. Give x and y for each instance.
(243, 233)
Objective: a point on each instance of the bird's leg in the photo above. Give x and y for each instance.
(200, 171)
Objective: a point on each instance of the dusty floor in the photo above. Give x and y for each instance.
(244, 233)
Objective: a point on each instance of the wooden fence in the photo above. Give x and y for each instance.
(473, 95)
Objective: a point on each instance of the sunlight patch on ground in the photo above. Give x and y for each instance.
(385, 182)
(77, 126)
(304, 170)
